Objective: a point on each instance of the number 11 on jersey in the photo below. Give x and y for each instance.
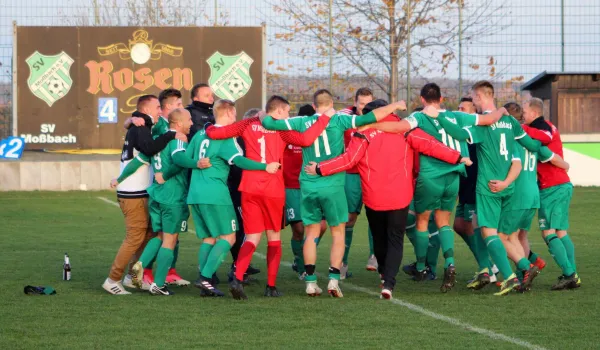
(325, 145)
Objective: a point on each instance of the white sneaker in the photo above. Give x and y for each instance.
(386, 294)
(312, 289)
(372, 263)
(344, 271)
(333, 288)
(137, 275)
(114, 288)
(128, 282)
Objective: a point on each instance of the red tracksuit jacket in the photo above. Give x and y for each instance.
(385, 164)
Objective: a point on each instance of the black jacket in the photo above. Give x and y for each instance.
(140, 138)
(202, 113)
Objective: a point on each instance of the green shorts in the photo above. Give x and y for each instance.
(436, 193)
(168, 218)
(465, 211)
(554, 207)
(213, 220)
(353, 193)
(292, 205)
(490, 209)
(328, 202)
(513, 220)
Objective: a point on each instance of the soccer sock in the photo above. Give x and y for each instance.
(334, 274)
(447, 243)
(163, 263)
(412, 235)
(317, 241)
(470, 241)
(310, 273)
(175, 255)
(523, 264)
(349, 232)
(498, 254)
(371, 249)
(150, 252)
(215, 258)
(559, 253)
(244, 258)
(481, 251)
(570, 248)
(203, 253)
(519, 274)
(422, 243)
(532, 256)
(273, 261)
(298, 254)
(433, 251)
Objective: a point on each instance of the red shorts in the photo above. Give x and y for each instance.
(261, 213)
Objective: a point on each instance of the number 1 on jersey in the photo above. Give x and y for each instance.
(325, 144)
(503, 150)
(261, 141)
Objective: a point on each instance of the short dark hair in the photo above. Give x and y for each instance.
(275, 102)
(514, 109)
(167, 93)
(431, 93)
(306, 110)
(466, 99)
(142, 100)
(197, 87)
(418, 109)
(486, 86)
(374, 105)
(363, 91)
(321, 97)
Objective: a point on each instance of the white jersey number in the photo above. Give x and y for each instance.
(263, 150)
(325, 145)
(204, 148)
(503, 150)
(449, 141)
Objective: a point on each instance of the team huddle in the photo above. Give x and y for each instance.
(318, 169)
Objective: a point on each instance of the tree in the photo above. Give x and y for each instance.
(383, 33)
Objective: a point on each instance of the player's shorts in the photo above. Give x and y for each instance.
(353, 193)
(327, 202)
(465, 211)
(513, 220)
(212, 220)
(261, 213)
(168, 218)
(554, 207)
(436, 193)
(293, 200)
(490, 209)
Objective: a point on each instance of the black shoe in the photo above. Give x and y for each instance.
(204, 284)
(252, 270)
(528, 277)
(410, 269)
(215, 280)
(155, 290)
(449, 279)
(420, 276)
(566, 282)
(272, 292)
(237, 290)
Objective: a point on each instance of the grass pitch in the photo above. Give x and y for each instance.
(39, 227)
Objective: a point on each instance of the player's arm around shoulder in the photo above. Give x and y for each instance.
(522, 137)
(355, 151)
(546, 155)
(294, 123)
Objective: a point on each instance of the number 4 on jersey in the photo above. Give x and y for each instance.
(503, 150)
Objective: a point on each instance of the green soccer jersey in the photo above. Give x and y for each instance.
(495, 152)
(526, 193)
(328, 145)
(161, 127)
(431, 167)
(209, 186)
(174, 191)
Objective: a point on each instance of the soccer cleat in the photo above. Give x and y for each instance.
(567, 282)
(344, 272)
(137, 274)
(372, 263)
(540, 263)
(481, 280)
(252, 270)
(578, 283)
(215, 279)
(528, 277)
(430, 274)
(204, 284)
(154, 290)
(302, 276)
(148, 277)
(114, 288)
(449, 279)
(272, 292)
(312, 289)
(333, 288)
(510, 284)
(420, 276)
(295, 266)
(128, 282)
(237, 290)
(410, 269)
(174, 278)
(386, 294)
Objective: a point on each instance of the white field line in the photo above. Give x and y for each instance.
(415, 308)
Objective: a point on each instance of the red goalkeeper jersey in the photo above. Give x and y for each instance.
(266, 146)
(544, 131)
(385, 164)
(292, 158)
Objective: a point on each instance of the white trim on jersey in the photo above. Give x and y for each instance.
(177, 150)
(521, 136)
(141, 160)
(547, 160)
(353, 122)
(470, 139)
(288, 124)
(240, 152)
